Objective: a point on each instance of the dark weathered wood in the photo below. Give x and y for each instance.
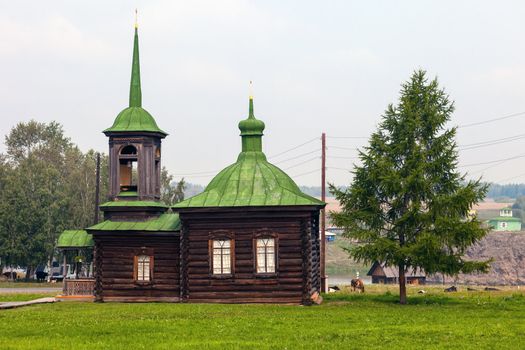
(115, 267)
(295, 248)
(182, 269)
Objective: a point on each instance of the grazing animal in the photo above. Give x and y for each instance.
(451, 289)
(333, 289)
(358, 284)
(41, 276)
(421, 291)
(489, 289)
(11, 275)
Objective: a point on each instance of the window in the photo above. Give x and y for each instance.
(265, 255)
(222, 257)
(143, 268)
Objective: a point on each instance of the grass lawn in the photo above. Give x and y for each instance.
(29, 285)
(465, 320)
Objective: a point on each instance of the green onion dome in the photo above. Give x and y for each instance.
(251, 126)
(251, 180)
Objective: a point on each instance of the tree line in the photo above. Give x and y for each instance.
(47, 185)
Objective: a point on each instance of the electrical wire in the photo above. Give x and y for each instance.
(490, 142)
(298, 156)
(303, 162)
(294, 148)
(341, 157)
(347, 137)
(492, 161)
(309, 172)
(343, 148)
(490, 120)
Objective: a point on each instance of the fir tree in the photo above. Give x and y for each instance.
(408, 206)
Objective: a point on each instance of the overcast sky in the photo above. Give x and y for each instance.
(323, 66)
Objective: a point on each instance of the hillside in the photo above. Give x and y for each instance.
(508, 251)
(506, 248)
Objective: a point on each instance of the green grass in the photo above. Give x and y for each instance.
(374, 320)
(29, 285)
(24, 296)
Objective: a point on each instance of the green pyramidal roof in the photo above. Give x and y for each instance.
(165, 222)
(252, 180)
(135, 118)
(75, 239)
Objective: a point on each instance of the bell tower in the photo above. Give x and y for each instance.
(134, 146)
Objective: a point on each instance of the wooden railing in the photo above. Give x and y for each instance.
(79, 287)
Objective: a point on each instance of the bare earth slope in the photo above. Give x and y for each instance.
(507, 249)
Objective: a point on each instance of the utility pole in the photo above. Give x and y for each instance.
(97, 188)
(323, 214)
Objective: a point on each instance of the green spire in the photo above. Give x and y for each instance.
(251, 131)
(135, 118)
(135, 93)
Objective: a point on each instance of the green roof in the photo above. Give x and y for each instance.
(166, 222)
(135, 118)
(252, 180)
(75, 239)
(133, 204)
(505, 218)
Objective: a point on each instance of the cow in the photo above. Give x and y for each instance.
(41, 276)
(451, 289)
(11, 275)
(358, 284)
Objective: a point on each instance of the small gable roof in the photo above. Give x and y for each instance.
(168, 222)
(393, 272)
(75, 239)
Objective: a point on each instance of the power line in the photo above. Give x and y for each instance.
(298, 156)
(341, 157)
(490, 142)
(200, 173)
(347, 137)
(294, 148)
(492, 161)
(343, 148)
(301, 163)
(335, 168)
(491, 120)
(309, 172)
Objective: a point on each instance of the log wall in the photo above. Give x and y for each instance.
(115, 267)
(296, 278)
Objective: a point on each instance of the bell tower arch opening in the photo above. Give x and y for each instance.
(128, 174)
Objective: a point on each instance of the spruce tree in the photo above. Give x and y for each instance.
(408, 205)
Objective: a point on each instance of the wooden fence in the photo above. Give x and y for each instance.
(83, 286)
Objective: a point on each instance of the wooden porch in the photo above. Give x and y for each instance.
(78, 289)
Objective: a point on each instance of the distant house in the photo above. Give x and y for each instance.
(330, 236)
(505, 221)
(390, 275)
